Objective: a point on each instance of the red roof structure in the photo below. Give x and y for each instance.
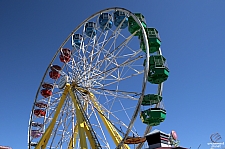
(5, 147)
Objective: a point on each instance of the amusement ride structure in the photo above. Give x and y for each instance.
(93, 93)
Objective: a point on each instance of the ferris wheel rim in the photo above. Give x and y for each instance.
(67, 39)
(148, 128)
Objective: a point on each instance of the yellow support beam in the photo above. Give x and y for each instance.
(45, 138)
(81, 116)
(73, 138)
(111, 129)
(80, 121)
(89, 135)
(75, 133)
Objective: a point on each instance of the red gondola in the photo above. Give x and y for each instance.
(54, 74)
(65, 55)
(46, 93)
(39, 112)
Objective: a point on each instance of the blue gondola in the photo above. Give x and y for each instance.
(119, 16)
(90, 29)
(105, 21)
(77, 39)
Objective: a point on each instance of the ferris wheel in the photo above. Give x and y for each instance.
(95, 86)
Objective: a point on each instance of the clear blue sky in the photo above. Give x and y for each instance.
(193, 41)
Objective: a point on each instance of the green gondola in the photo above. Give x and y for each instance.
(153, 40)
(133, 25)
(153, 116)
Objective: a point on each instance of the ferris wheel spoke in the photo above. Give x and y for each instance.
(117, 94)
(119, 122)
(110, 53)
(81, 65)
(114, 81)
(121, 64)
(126, 112)
(77, 69)
(97, 43)
(110, 71)
(123, 110)
(99, 125)
(91, 45)
(53, 104)
(119, 73)
(132, 55)
(92, 53)
(64, 136)
(107, 56)
(115, 56)
(76, 72)
(117, 91)
(84, 50)
(105, 43)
